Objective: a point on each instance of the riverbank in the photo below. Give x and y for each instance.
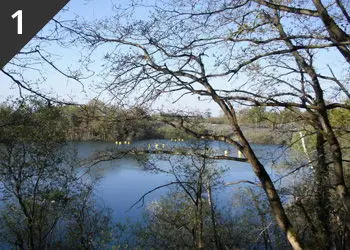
(254, 135)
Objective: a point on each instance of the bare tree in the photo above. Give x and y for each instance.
(31, 69)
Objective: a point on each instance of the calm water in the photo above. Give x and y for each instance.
(122, 182)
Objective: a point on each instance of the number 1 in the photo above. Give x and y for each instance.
(18, 14)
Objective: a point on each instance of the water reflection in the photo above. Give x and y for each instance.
(123, 181)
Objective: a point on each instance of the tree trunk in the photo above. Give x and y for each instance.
(265, 180)
(213, 218)
(336, 34)
(259, 170)
(322, 117)
(322, 193)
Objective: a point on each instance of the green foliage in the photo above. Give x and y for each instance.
(306, 136)
(99, 121)
(246, 222)
(170, 222)
(32, 123)
(340, 118)
(39, 183)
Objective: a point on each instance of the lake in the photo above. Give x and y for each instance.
(122, 182)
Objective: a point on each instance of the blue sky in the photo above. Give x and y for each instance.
(67, 58)
(60, 86)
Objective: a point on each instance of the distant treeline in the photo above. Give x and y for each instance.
(95, 121)
(104, 122)
(98, 121)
